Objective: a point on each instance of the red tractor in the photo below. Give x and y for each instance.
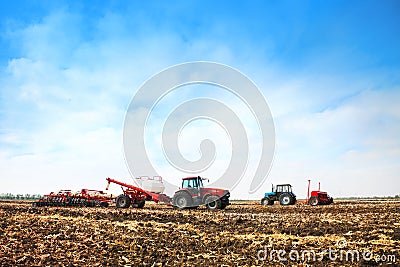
(193, 194)
(318, 197)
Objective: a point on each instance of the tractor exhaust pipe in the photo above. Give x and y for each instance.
(308, 191)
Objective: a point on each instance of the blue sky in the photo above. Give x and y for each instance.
(329, 70)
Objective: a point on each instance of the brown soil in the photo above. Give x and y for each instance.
(244, 234)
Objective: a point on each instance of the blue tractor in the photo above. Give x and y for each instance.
(282, 193)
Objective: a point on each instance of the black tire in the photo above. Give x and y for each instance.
(35, 204)
(285, 199)
(123, 201)
(182, 200)
(294, 200)
(141, 204)
(313, 201)
(224, 204)
(213, 203)
(67, 201)
(266, 201)
(84, 203)
(104, 204)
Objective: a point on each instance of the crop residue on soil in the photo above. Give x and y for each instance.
(157, 235)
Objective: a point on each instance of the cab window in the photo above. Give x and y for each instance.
(192, 183)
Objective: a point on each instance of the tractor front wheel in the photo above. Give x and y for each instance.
(313, 201)
(213, 203)
(285, 199)
(266, 201)
(123, 201)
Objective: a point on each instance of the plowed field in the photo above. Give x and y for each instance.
(244, 234)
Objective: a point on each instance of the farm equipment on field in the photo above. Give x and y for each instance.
(282, 193)
(136, 196)
(191, 195)
(84, 198)
(318, 197)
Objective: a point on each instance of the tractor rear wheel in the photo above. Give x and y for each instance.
(313, 201)
(123, 201)
(213, 203)
(285, 199)
(182, 200)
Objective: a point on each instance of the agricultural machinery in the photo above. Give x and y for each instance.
(282, 193)
(191, 195)
(318, 197)
(137, 196)
(84, 198)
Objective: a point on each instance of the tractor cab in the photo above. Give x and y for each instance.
(283, 188)
(193, 182)
(280, 188)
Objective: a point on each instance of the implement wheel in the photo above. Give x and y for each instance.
(313, 201)
(123, 201)
(138, 203)
(104, 204)
(141, 204)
